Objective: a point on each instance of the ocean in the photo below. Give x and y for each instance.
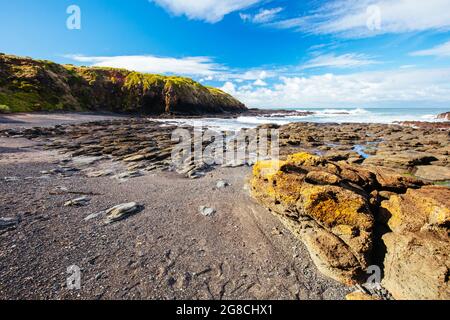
(324, 115)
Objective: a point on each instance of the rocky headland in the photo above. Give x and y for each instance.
(28, 85)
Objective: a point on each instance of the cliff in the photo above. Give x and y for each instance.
(34, 85)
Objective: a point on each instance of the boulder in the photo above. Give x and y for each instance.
(417, 266)
(352, 216)
(320, 207)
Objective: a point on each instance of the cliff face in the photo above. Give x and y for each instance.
(34, 85)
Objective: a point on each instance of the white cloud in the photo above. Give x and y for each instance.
(229, 87)
(349, 60)
(201, 66)
(208, 10)
(412, 86)
(442, 50)
(263, 16)
(358, 18)
(254, 75)
(249, 75)
(260, 83)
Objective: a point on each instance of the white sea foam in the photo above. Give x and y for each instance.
(356, 115)
(341, 112)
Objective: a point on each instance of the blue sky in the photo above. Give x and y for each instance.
(268, 53)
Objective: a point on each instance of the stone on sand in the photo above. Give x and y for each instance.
(207, 211)
(78, 202)
(122, 211)
(221, 184)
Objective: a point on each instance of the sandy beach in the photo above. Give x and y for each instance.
(167, 251)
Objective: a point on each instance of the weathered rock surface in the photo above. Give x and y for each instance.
(417, 263)
(425, 208)
(361, 296)
(402, 160)
(339, 211)
(417, 266)
(433, 173)
(397, 147)
(327, 205)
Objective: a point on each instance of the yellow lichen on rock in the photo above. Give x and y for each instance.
(276, 186)
(267, 168)
(361, 296)
(331, 205)
(303, 159)
(302, 187)
(418, 208)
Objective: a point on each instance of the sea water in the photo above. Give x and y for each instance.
(323, 115)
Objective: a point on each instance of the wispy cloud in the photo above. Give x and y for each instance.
(205, 68)
(349, 60)
(211, 11)
(192, 66)
(442, 50)
(354, 18)
(263, 16)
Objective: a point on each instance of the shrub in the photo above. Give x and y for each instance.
(4, 108)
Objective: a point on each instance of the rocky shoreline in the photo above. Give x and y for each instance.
(119, 173)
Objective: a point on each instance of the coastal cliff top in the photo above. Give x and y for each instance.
(28, 85)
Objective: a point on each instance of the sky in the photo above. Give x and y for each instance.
(267, 53)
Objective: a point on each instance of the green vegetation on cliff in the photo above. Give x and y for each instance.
(39, 85)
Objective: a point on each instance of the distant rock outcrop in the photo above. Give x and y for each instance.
(34, 85)
(444, 116)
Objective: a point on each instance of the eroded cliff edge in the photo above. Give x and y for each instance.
(34, 85)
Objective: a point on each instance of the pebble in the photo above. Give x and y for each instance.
(94, 215)
(221, 184)
(127, 175)
(78, 202)
(6, 223)
(207, 211)
(101, 173)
